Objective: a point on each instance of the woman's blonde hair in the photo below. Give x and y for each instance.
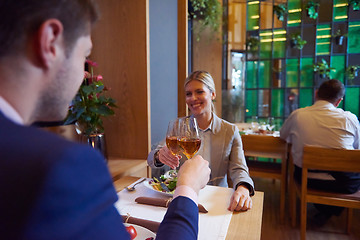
(206, 79)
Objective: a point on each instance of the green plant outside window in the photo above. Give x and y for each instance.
(208, 13)
(312, 9)
(323, 69)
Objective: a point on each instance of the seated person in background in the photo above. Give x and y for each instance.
(221, 143)
(324, 125)
(53, 188)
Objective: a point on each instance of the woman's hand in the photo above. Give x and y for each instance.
(240, 200)
(167, 158)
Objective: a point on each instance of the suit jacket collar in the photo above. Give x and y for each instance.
(216, 124)
(218, 144)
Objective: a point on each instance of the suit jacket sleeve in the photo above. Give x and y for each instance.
(180, 221)
(238, 169)
(150, 159)
(78, 194)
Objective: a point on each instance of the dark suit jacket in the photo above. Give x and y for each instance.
(51, 188)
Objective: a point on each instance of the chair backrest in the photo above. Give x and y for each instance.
(264, 146)
(330, 159)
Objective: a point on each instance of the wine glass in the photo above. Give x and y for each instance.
(172, 136)
(189, 139)
(254, 123)
(263, 125)
(271, 123)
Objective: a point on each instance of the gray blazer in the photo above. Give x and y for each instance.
(227, 156)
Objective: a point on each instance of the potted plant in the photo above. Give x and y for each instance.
(339, 38)
(323, 69)
(252, 44)
(296, 41)
(352, 71)
(280, 11)
(207, 12)
(312, 9)
(88, 108)
(355, 4)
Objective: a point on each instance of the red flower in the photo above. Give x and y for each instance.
(91, 63)
(87, 105)
(99, 78)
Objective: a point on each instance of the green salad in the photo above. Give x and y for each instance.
(166, 183)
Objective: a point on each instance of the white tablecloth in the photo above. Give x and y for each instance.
(212, 225)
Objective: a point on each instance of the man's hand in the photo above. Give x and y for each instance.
(194, 173)
(240, 200)
(167, 158)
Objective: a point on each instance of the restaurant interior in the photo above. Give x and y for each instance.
(267, 58)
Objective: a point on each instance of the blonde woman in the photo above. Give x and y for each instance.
(221, 143)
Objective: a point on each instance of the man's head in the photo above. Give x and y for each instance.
(21, 19)
(332, 91)
(48, 40)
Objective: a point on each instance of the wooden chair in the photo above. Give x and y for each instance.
(268, 147)
(326, 159)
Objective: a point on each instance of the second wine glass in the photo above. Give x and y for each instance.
(189, 138)
(172, 136)
(271, 123)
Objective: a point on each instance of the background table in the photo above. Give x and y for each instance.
(243, 225)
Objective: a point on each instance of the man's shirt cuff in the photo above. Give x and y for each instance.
(186, 191)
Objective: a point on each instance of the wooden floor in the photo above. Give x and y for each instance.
(272, 229)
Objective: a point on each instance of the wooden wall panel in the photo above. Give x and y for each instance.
(237, 32)
(120, 42)
(182, 54)
(237, 25)
(207, 55)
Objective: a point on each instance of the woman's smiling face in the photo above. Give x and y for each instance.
(198, 97)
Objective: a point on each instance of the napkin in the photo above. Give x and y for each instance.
(151, 225)
(162, 202)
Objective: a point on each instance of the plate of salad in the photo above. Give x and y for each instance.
(166, 184)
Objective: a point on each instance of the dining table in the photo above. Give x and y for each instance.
(266, 156)
(245, 225)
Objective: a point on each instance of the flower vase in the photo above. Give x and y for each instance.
(94, 140)
(97, 141)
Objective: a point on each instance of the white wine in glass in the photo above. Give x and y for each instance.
(172, 136)
(189, 139)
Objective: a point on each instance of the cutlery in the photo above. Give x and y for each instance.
(132, 188)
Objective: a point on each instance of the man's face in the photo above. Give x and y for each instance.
(53, 105)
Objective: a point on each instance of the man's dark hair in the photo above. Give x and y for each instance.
(20, 19)
(331, 90)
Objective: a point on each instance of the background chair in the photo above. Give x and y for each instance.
(325, 159)
(268, 147)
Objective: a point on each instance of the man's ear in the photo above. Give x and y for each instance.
(49, 42)
(316, 94)
(338, 102)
